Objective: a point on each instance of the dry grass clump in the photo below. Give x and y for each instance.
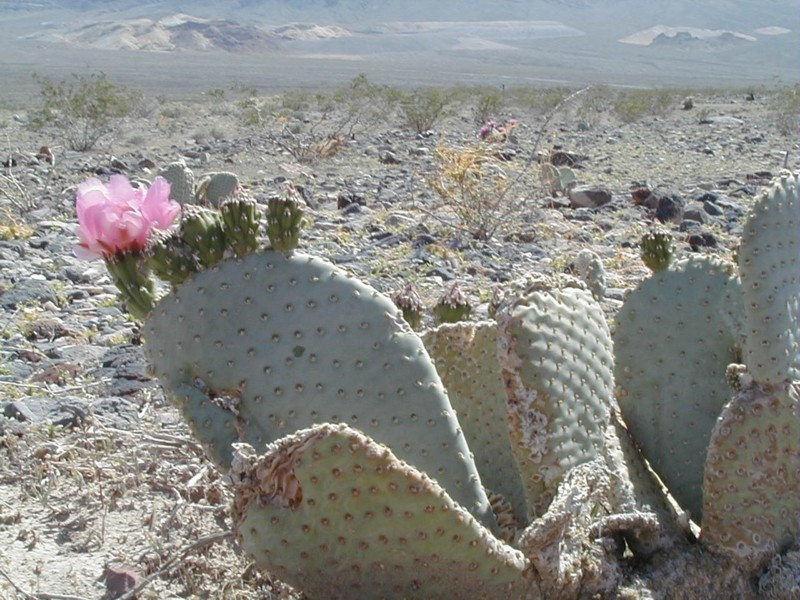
(79, 505)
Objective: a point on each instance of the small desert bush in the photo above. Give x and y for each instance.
(473, 183)
(83, 109)
(785, 109)
(424, 107)
(338, 116)
(488, 104)
(596, 101)
(634, 105)
(539, 100)
(297, 100)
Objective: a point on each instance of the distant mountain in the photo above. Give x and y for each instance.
(505, 41)
(636, 14)
(175, 33)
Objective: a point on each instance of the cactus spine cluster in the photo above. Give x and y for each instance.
(359, 472)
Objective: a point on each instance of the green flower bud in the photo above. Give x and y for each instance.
(240, 221)
(202, 231)
(409, 302)
(284, 221)
(453, 306)
(170, 258)
(656, 249)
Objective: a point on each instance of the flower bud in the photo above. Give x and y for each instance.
(170, 258)
(201, 230)
(240, 221)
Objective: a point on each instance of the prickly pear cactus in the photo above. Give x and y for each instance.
(465, 355)
(590, 269)
(181, 181)
(673, 345)
(276, 343)
(331, 511)
(557, 179)
(769, 264)
(751, 501)
(555, 354)
(215, 188)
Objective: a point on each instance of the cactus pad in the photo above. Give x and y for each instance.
(337, 515)
(214, 188)
(751, 501)
(305, 343)
(556, 358)
(181, 182)
(465, 355)
(590, 269)
(769, 264)
(673, 345)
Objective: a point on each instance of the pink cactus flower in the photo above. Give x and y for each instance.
(117, 218)
(486, 130)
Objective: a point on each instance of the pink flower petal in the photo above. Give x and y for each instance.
(157, 207)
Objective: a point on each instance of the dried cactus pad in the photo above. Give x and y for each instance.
(337, 515)
(556, 358)
(751, 501)
(673, 344)
(465, 355)
(769, 263)
(285, 342)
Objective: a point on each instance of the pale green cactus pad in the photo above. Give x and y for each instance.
(337, 515)
(283, 342)
(751, 501)
(556, 358)
(590, 269)
(672, 344)
(465, 355)
(215, 188)
(181, 181)
(769, 265)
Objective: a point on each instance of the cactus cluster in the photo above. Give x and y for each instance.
(211, 189)
(521, 457)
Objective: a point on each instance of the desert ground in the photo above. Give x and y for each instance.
(103, 491)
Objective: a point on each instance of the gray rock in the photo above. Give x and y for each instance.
(694, 214)
(721, 120)
(29, 290)
(669, 207)
(589, 197)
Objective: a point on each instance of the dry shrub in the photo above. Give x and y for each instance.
(473, 182)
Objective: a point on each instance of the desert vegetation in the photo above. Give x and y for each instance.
(459, 192)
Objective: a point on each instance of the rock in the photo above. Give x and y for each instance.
(121, 580)
(46, 155)
(27, 291)
(694, 214)
(17, 410)
(669, 205)
(344, 200)
(589, 197)
(712, 209)
(118, 165)
(701, 240)
(642, 196)
(389, 158)
(721, 120)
